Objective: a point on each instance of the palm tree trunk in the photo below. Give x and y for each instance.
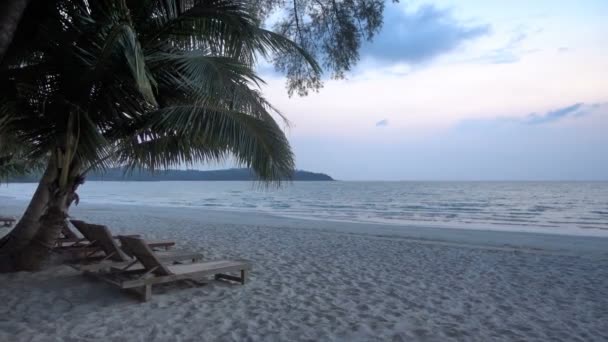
(11, 12)
(29, 248)
(33, 256)
(29, 223)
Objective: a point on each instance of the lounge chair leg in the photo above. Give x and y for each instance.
(147, 292)
(243, 277)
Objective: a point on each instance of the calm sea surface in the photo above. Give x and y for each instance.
(567, 207)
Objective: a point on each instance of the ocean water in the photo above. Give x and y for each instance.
(557, 207)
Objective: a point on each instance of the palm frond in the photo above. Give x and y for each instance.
(201, 73)
(254, 142)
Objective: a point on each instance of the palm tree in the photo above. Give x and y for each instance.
(139, 83)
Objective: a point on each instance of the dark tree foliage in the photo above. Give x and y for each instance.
(332, 31)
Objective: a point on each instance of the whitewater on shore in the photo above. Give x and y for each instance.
(324, 281)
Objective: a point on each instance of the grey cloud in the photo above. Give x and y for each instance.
(419, 36)
(576, 109)
(510, 52)
(506, 54)
(382, 123)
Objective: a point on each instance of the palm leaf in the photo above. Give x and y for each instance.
(256, 143)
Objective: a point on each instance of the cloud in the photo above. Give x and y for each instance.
(419, 36)
(507, 53)
(382, 123)
(511, 50)
(576, 109)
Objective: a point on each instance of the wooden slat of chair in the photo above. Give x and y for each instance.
(166, 257)
(70, 239)
(138, 248)
(160, 244)
(102, 236)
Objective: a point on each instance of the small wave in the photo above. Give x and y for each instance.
(541, 208)
(523, 224)
(593, 227)
(513, 218)
(517, 213)
(578, 222)
(416, 207)
(244, 205)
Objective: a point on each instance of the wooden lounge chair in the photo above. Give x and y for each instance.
(153, 271)
(7, 221)
(77, 246)
(114, 256)
(82, 228)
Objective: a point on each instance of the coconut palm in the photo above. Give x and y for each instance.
(139, 83)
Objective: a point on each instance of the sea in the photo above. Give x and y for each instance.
(579, 208)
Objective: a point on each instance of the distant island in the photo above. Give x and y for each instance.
(243, 174)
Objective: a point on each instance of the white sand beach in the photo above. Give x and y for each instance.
(324, 281)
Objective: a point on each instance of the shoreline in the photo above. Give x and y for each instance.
(529, 240)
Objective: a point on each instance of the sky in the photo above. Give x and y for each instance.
(464, 90)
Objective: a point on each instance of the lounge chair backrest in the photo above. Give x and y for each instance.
(144, 254)
(125, 246)
(82, 228)
(103, 238)
(68, 233)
